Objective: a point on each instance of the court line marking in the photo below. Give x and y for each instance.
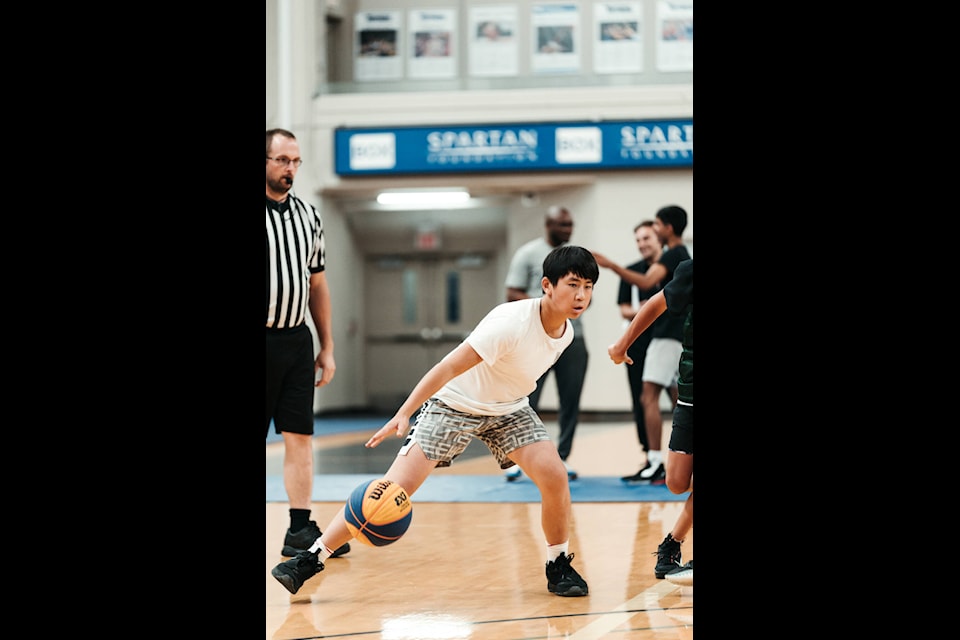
(647, 599)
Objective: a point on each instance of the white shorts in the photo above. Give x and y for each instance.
(662, 363)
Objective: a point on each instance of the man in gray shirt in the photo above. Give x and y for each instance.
(523, 281)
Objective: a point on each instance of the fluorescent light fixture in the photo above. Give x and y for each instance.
(425, 198)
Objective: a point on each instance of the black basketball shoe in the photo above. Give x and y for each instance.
(563, 580)
(668, 557)
(649, 475)
(294, 572)
(638, 476)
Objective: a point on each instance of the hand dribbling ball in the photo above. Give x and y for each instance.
(378, 512)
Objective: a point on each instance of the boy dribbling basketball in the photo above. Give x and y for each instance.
(479, 390)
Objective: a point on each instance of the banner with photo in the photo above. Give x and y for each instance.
(674, 29)
(492, 41)
(377, 46)
(555, 38)
(618, 37)
(432, 37)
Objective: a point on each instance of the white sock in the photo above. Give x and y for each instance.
(655, 458)
(554, 551)
(322, 550)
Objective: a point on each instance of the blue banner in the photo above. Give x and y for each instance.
(641, 144)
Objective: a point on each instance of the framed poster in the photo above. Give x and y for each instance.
(555, 37)
(377, 46)
(492, 41)
(432, 37)
(674, 35)
(617, 37)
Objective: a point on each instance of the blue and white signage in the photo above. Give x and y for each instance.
(641, 144)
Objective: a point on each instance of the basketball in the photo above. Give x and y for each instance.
(378, 512)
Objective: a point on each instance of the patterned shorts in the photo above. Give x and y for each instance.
(443, 432)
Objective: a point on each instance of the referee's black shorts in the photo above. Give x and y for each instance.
(290, 380)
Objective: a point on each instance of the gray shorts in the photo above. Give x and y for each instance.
(662, 363)
(443, 432)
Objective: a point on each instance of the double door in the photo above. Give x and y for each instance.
(418, 308)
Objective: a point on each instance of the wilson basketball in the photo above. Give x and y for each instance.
(378, 512)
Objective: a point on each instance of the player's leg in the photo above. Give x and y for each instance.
(439, 435)
(540, 460)
(637, 352)
(635, 379)
(409, 469)
(680, 456)
(653, 420)
(659, 371)
(669, 553)
(542, 464)
(683, 575)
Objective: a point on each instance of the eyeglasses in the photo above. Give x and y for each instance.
(285, 161)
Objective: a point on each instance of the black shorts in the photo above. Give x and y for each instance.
(290, 380)
(681, 438)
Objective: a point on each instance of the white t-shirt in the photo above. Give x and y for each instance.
(515, 350)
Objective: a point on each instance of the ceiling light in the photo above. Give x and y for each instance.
(425, 198)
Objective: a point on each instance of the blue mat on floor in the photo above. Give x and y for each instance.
(487, 488)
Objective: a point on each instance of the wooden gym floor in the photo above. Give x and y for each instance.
(470, 570)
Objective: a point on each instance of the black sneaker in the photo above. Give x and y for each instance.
(652, 475)
(668, 557)
(563, 580)
(294, 572)
(637, 476)
(302, 540)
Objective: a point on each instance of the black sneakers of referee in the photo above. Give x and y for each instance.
(294, 543)
(563, 580)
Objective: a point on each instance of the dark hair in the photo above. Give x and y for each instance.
(675, 216)
(645, 223)
(276, 132)
(570, 259)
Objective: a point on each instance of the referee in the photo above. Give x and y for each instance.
(296, 283)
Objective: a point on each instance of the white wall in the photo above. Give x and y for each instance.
(606, 205)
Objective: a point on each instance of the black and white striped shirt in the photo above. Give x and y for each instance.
(295, 249)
